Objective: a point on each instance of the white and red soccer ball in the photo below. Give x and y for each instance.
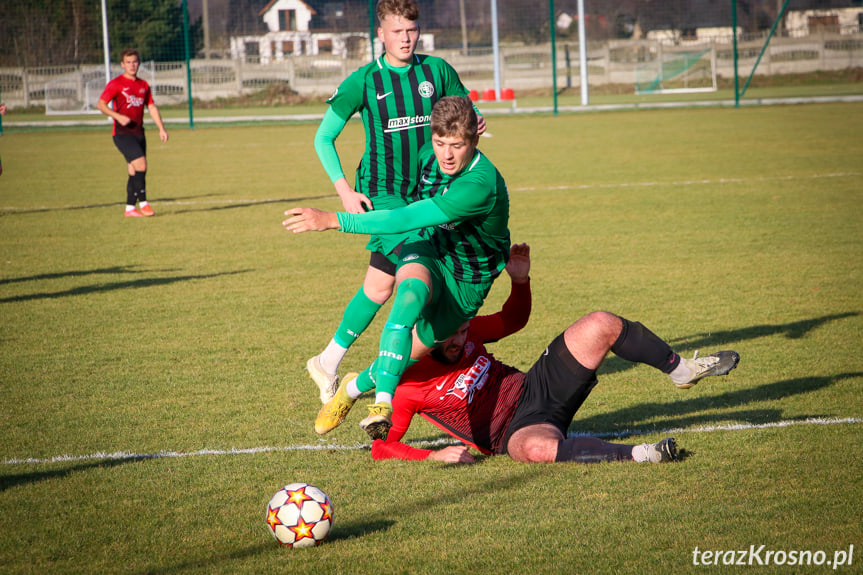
(300, 515)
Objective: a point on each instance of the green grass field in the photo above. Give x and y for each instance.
(152, 386)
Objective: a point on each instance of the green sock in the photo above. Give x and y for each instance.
(357, 317)
(396, 338)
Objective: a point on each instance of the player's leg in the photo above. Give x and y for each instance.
(139, 180)
(555, 388)
(412, 293)
(133, 151)
(636, 343)
(544, 443)
(358, 315)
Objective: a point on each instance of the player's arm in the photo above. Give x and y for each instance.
(157, 119)
(453, 86)
(325, 146)
(390, 449)
(515, 312)
(421, 214)
(102, 106)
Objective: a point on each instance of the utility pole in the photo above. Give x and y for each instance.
(463, 28)
(206, 23)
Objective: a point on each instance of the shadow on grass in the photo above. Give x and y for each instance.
(108, 287)
(691, 411)
(10, 481)
(253, 203)
(14, 212)
(202, 562)
(116, 270)
(710, 342)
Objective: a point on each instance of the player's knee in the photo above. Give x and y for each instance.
(597, 326)
(413, 293)
(378, 291)
(534, 444)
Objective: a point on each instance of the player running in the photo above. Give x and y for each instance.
(441, 282)
(394, 96)
(461, 388)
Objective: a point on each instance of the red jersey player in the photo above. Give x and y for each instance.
(497, 409)
(129, 94)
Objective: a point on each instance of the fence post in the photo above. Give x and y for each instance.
(26, 82)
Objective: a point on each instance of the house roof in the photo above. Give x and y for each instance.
(269, 5)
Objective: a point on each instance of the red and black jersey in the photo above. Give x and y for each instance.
(474, 399)
(130, 97)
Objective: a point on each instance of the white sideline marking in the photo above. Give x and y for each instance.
(229, 201)
(726, 427)
(686, 182)
(128, 455)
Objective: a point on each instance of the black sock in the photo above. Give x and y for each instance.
(591, 450)
(139, 184)
(639, 344)
(130, 191)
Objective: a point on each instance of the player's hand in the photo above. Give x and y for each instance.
(163, 135)
(310, 220)
(123, 120)
(355, 202)
(452, 454)
(518, 266)
(480, 125)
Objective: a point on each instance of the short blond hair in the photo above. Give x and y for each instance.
(407, 9)
(454, 116)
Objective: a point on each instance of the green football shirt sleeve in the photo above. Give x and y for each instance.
(467, 197)
(453, 85)
(418, 215)
(325, 144)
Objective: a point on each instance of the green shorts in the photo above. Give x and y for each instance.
(385, 243)
(453, 302)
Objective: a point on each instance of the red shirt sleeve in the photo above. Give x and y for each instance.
(405, 404)
(511, 318)
(391, 449)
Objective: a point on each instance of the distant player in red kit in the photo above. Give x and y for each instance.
(129, 95)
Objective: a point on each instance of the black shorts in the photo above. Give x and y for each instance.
(554, 389)
(384, 263)
(131, 146)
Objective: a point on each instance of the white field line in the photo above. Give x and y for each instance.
(685, 182)
(128, 455)
(618, 185)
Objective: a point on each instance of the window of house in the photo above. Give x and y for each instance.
(288, 20)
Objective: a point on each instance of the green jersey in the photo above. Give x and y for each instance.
(470, 211)
(474, 244)
(395, 106)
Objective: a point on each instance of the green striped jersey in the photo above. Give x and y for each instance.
(395, 106)
(475, 244)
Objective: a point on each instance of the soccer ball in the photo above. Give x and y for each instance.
(300, 515)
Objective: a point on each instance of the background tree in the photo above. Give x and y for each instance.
(154, 27)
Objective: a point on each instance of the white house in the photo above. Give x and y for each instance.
(290, 35)
(287, 15)
(801, 23)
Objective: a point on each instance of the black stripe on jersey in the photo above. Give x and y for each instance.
(431, 183)
(404, 139)
(387, 144)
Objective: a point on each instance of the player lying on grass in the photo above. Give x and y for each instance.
(461, 388)
(442, 281)
(394, 96)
